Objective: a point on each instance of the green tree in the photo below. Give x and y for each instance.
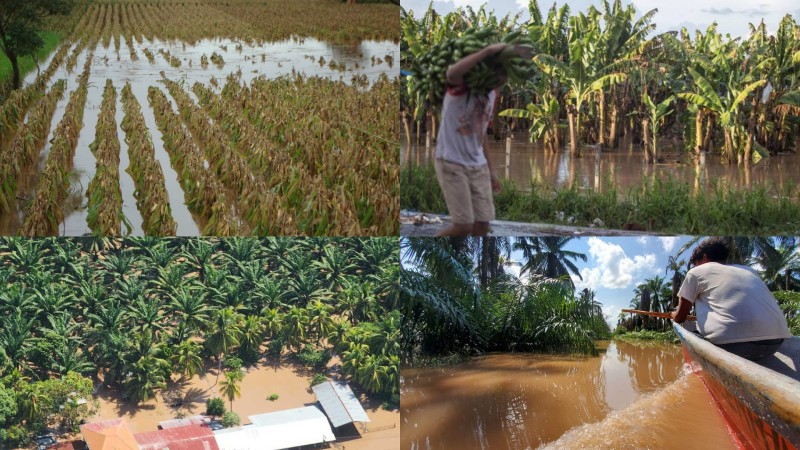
(215, 407)
(186, 359)
(224, 334)
(230, 386)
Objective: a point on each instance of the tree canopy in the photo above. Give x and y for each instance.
(20, 25)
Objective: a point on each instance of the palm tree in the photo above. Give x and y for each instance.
(224, 334)
(230, 387)
(779, 264)
(186, 359)
(546, 256)
(190, 306)
(147, 368)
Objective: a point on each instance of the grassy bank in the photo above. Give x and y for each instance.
(646, 335)
(663, 205)
(26, 63)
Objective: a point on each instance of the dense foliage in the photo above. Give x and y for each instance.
(603, 73)
(458, 297)
(136, 313)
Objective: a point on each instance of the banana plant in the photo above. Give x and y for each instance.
(725, 106)
(656, 115)
(544, 121)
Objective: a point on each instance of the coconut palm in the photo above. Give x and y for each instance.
(547, 256)
(230, 386)
(186, 359)
(224, 334)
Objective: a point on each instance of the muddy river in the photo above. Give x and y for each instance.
(623, 166)
(630, 397)
(308, 56)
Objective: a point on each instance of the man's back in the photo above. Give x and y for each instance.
(733, 304)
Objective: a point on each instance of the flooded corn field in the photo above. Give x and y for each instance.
(631, 396)
(244, 135)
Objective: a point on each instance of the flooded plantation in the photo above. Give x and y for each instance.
(524, 162)
(258, 115)
(631, 396)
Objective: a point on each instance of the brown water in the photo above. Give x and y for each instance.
(271, 60)
(631, 396)
(624, 166)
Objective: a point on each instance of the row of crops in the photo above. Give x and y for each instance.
(286, 156)
(191, 21)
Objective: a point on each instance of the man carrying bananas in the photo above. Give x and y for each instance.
(462, 163)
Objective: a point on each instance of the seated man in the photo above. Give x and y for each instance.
(735, 309)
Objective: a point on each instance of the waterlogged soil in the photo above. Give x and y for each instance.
(631, 396)
(291, 383)
(623, 166)
(308, 56)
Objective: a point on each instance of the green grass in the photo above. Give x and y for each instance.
(26, 63)
(662, 204)
(646, 335)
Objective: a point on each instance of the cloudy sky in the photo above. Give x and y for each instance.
(616, 265)
(731, 17)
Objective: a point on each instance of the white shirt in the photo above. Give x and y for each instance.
(465, 117)
(733, 304)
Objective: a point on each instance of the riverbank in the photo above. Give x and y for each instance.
(658, 204)
(647, 336)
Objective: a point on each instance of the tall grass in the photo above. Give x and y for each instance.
(660, 204)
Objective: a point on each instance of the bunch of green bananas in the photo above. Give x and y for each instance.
(430, 69)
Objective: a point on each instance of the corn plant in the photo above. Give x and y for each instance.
(26, 147)
(45, 211)
(105, 196)
(151, 194)
(205, 194)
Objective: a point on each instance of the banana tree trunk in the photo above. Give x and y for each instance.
(601, 135)
(728, 145)
(646, 137)
(612, 135)
(407, 127)
(709, 132)
(573, 132)
(751, 129)
(698, 123)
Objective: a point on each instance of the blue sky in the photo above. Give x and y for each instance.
(731, 17)
(616, 265)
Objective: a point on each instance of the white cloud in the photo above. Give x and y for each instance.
(668, 242)
(642, 240)
(613, 269)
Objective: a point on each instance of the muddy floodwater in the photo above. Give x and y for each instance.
(623, 166)
(308, 56)
(630, 397)
(187, 397)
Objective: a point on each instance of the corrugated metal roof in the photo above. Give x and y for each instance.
(278, 430)
(187, 437)
(340, 403)
(177, 423)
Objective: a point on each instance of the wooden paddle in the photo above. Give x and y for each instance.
(660, 315)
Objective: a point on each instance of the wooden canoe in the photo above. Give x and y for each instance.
(760, 402)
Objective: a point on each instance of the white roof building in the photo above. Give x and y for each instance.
(340, 403)
(277, 430)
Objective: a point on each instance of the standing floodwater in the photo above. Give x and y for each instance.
(631, 396)
(623, 166)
